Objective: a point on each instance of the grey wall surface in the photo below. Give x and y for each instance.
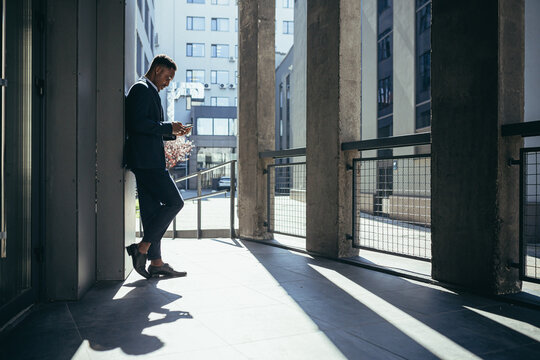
(477, 85)
(298, 77)
(115, 186)
(70, 148)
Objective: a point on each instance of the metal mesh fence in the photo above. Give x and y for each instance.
(392, 205)
(287, 198)
(531, 213)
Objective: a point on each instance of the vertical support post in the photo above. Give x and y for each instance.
(3, 234)
(477, 85)
(256, 112)
(199, 192)
(232, 195)
(333, 110)
(174, 228)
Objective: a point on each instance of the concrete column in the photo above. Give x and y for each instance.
(256, 112)
(477, 85)
(70, 148)
(115, 196)
(333, 113)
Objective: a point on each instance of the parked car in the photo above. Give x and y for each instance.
(224, 183)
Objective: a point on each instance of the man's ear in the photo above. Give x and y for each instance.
(158, 69)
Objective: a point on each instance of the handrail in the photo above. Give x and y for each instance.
(199, 197)
(282, 153)
(204, 171)
(523, 129)
(208, 195)
(388, 142)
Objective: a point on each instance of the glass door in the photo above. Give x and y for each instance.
(18, 280)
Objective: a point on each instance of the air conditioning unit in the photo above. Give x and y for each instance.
(222, 86)
(231, 59)
(231, 86)
(207, 86)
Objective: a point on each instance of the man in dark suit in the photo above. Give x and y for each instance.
(159, 199)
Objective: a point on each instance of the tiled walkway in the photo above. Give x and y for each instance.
(245, 300)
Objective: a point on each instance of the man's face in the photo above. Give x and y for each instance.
(164, 75)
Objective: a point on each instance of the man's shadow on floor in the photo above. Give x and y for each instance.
(121, 321)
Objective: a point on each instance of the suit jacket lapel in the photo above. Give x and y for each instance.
(156, 98)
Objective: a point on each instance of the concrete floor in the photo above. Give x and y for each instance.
(244, 300)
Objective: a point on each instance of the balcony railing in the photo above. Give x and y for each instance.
(529, 209)
(204, 181)
(392, 197)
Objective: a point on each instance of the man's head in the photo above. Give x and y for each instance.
(161, 71)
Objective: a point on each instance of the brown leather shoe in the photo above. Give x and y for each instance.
(165, 270)
(139, 260)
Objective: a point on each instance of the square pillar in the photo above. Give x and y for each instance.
(333, 117)
(70, 145)
(477, 85)
(256, 112)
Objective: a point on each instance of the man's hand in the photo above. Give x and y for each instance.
(179, 129)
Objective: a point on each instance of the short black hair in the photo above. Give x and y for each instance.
(163, 60)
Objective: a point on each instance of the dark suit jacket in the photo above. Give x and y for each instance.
(145, 129)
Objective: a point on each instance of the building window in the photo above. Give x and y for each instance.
(423, 116)
(220, 51)
(423, 63)
(140, 6)
(151, 36)
(147, 18)
(382, 5)
(288, 4)
(424, 18)
(424, 71)
(384, 97)
(236, 77)
(219, 101)
(221, 126)
(216, 126)
(236, 24)
(220, 2)
(220, 24)
(236, 51)
(235, 103)
(195, 1)
(195, 76)
(195, 23)
(288, 27)
(146, 63)
(385, 48)
(195, 50)
(219, 77)
(204, 126)
(139, 56)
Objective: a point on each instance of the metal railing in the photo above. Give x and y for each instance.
(205, 233)
(392, 198)
(529, 212)
(286, 193)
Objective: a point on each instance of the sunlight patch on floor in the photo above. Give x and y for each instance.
(521, 327)
(433, 341)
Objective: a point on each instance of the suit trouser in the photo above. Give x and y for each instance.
(159, 202)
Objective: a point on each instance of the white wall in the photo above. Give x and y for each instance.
(298, 77)
(368, 126)
(404, 71)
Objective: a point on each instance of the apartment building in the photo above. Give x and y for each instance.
(202, 37)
